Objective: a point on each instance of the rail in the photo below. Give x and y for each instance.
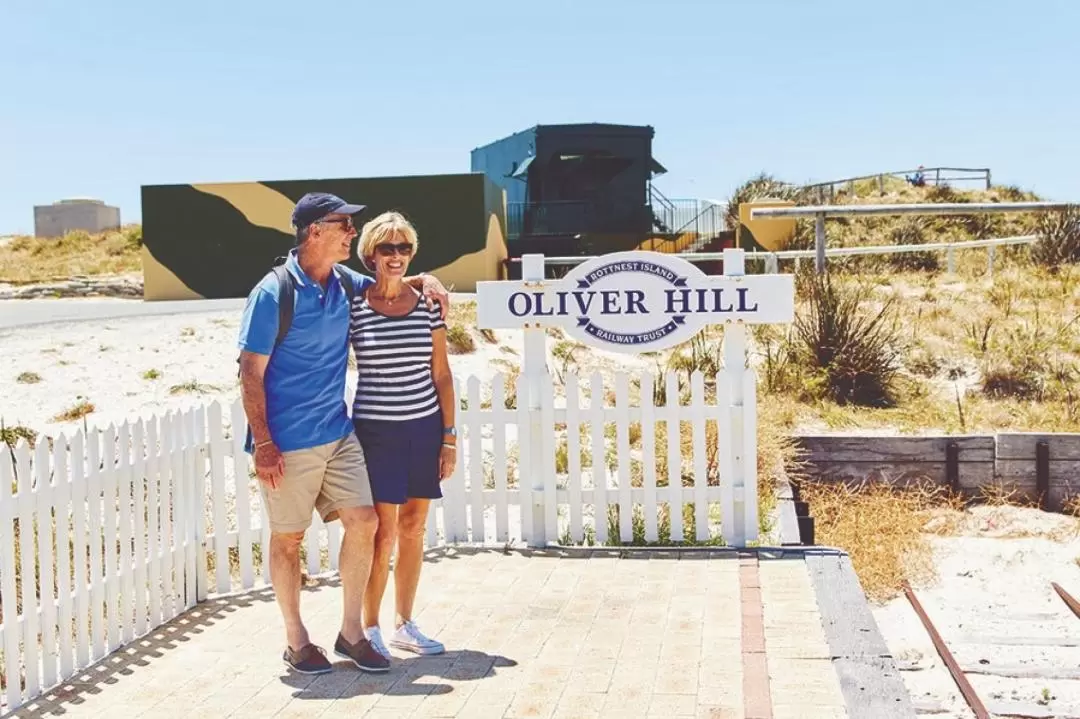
(924, 208)
(931, 175)
(821, 212)
(771, 259)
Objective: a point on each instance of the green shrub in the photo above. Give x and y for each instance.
(856, 350)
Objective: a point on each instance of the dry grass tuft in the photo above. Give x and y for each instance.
(459, 341)
(880, 526)
(193, 387)
(39, 259)
(76, 411)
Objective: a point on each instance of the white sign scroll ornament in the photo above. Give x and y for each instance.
(636, 301)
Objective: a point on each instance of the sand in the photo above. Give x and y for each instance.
(993, 604)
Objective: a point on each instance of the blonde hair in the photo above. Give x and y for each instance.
(384, 228)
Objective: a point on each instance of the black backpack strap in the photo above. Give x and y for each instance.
(346, 281)
(286, 301)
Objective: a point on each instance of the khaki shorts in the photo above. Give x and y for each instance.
(326, 478)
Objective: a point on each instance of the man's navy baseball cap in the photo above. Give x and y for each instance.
(316, 205)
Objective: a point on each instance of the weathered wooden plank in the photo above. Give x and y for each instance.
(845, 614)
(1017, 671)
(1021, 445)
(788, 523)
(872, 687)
(972, 474)
(1064, 478)
(1027, 710)
(839, 448)
(1018, 641)
(1063, 474)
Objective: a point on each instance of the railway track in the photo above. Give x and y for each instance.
(991, 707)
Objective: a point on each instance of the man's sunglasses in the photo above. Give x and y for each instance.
(345, 221)
(388, 250)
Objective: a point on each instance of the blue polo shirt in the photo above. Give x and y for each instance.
(305, 378)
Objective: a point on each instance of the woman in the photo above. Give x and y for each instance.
(404, 418)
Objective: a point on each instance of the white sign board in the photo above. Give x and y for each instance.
(635, 301)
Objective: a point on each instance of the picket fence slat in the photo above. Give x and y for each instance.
(525, 460)
(167, 498)
(573, 459)
(648, 456)
(194, 482)
(474, 431)
(498, 466)
(673, 426)
(81, 548)
(238, 429)
(264, 540)
(725, 456)
(311, 544)
(46, 563)
(138, 454)
(222, 580)
(622, 455)
(8, 597)
(333, 545)
(749, 455)
(183, 579)
(201, 456)
(153, 502)
(112, 583)
(27, 552)
(454, 519)
(701, 507)
(62, 519)
(127, 575)
(599, 457)
(94, 510)
(547, 465)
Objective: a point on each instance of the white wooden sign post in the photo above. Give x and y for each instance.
(636, 302)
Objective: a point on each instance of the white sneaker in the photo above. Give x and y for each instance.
(374, 636)
(411, 639)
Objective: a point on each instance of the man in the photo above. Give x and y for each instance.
(305, 451)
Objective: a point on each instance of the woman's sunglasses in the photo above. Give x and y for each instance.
(389, 250)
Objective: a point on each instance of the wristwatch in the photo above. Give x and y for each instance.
(450, 431)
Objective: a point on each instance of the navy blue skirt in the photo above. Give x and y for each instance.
(402, 457)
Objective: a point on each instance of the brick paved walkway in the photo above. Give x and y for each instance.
(529, 634)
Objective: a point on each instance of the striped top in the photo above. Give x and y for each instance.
(393, 362)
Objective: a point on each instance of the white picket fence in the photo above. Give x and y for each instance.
(125, 529)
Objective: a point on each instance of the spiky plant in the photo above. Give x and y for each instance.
(911, 231)
(1058, 237)
(762, 187)
(855, 349)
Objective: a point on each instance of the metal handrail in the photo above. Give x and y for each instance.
(926, 208)
(771, 258)
(935, 172)
(821, 212)
(892, 249)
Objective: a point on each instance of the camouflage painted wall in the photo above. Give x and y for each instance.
(218, 240)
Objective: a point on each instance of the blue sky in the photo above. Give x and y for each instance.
(99, 98)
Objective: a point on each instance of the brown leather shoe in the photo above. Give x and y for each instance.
(310, 659)
(362, 654)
